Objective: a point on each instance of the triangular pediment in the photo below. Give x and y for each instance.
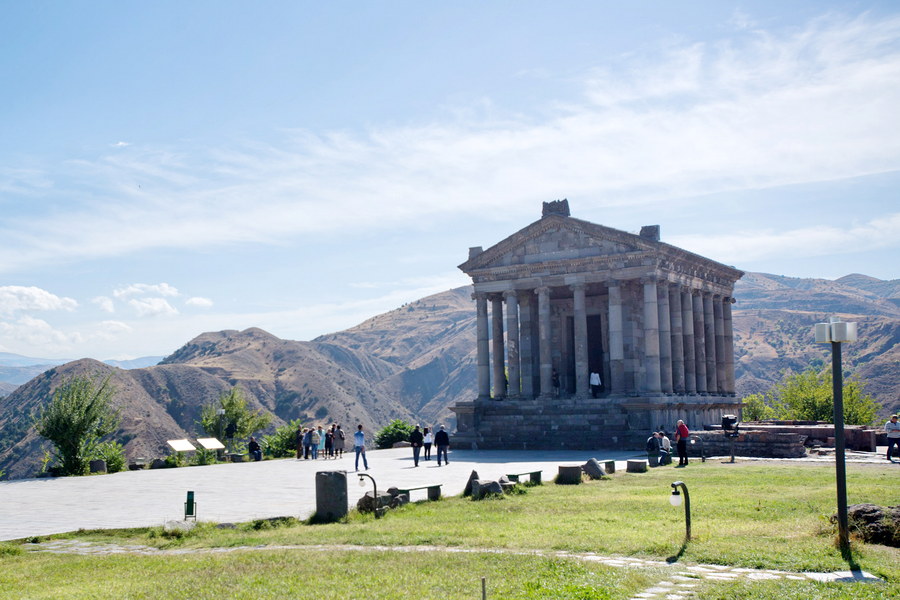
(557, 238)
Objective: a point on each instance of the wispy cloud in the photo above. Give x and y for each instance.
(761, 110)
(152, 307)
(199, 302)
(141, 289)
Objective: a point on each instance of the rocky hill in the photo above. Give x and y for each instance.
(417, 360)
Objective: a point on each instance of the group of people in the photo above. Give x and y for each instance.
(311, 442)
(659, 444)
(422, 438)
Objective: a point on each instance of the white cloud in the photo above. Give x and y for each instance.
(37, 333)
(141, 289)
(111, 330)
(199, 302)
(152, 307)
(751, 245)
(14, 298)
(105, 303)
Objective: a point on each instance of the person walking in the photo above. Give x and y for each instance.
(427, 440)
(339, 441)
(359, 443)
(416, 439)
(442, 441)
(681, 436)
(892, 428)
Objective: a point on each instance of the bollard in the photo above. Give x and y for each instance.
(331, 495)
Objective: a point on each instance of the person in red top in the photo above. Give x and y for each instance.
(681, 436)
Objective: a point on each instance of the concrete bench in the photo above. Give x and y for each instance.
(434, 491)
(534, 476)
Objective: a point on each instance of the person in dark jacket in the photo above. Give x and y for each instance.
(416, 439)
(254, 449)
(442, 441)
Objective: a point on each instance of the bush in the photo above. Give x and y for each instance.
(111, 452)
(283, 442)
(205, 457)
(396, 431)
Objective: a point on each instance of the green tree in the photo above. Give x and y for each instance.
(283, 442)
(238, 418)
(755, 408)
(79, 414)
(395, 431)
(807, 396)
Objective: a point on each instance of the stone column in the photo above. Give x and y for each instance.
(665, 337)
(729, 345)
(546, 359)
(497, 343)
(526, 358)
(582, 377)
(677, 340)
(709, 334)
(690, 362)
(512, 343)
(652, 384)
(699, 341)
(616, 383)
(482, 347)
(718, 317)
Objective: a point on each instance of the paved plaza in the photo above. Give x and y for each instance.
(245, 491)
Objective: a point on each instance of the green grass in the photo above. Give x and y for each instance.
(747, 515)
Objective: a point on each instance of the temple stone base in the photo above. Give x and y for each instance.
(581, 423)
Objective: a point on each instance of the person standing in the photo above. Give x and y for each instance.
(892, 428)
(681, 436)
(315, 438)
(416, 439)
(299, 435)
(595, 384)
(321, 445)
(426, 443)
(329, 442)
(554, 380)
(339, 441)
(359, 443)
(442, 441)
(307, 444)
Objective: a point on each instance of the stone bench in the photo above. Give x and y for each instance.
(434, 491)
(637, 466)
(569, 475)
(534, 476)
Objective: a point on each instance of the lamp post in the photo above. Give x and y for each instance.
(837, 332)
(362, 483)
(220, 453)
(675, 500)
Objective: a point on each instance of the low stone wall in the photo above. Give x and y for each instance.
(763, 444)
(856, 437)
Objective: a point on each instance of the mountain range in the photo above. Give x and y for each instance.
(416, 361)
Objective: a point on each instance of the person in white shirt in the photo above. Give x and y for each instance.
(892, 428)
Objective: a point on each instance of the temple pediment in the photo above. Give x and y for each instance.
(556, 238)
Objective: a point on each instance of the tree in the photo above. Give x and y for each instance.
(238, 420)
(755, 408)
(283, 442)
(808, 396)
(78, 415)
(395, 431)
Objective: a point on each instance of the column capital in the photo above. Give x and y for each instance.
(580, 285)
(542, 290)
(510, 294)
(479, 296)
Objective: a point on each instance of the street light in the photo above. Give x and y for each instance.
(675, 500)
(837, 332)
(362, 483)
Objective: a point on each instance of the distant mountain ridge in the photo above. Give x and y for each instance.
(415, 361)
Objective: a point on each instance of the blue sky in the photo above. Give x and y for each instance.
(171, 168)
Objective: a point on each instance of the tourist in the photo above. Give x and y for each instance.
(307, 443)
(426, 442)
(554, 379)
(681, 436)
(315, 437)
(329, 442)
(338, 441)
(595, 384)
(442, 441)
(321, 448)
(892, 428)
(416, 439)
(299, 434)
(653, 447)
(254, 449)
(359, 444)
(665, 448)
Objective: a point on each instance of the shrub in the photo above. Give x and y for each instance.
(283, 442)
(111, 452)
(397, 430)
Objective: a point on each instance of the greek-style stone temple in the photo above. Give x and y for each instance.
(564, 298)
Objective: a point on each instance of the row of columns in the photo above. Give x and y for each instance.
(688, 342)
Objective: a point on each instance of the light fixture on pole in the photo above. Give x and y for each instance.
(362, 483)
(675, 500)
(837, 332)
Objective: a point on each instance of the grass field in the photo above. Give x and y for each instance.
(761, 516)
